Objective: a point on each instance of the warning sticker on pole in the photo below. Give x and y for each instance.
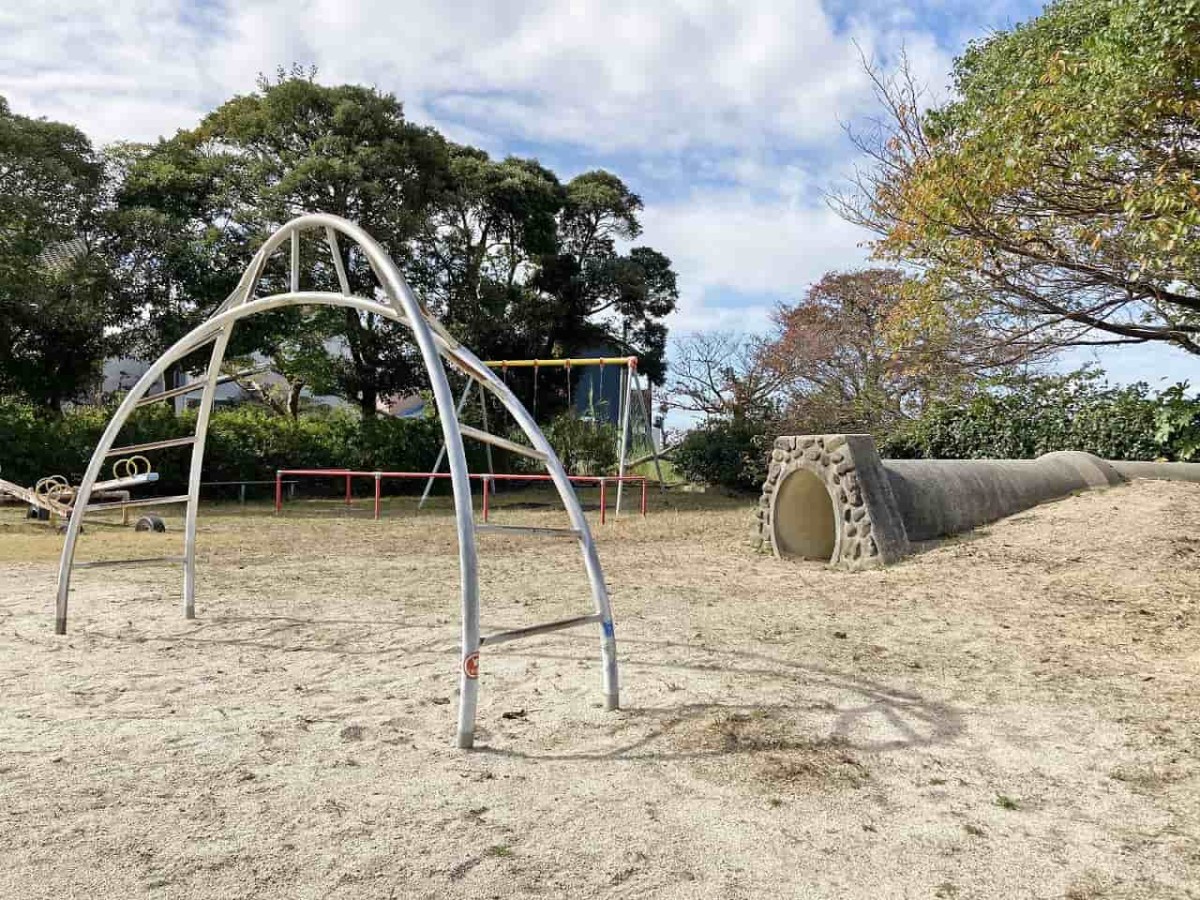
(471, 665)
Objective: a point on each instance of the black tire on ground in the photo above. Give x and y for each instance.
(150, 523)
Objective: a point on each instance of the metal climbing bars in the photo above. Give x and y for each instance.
(394, 300)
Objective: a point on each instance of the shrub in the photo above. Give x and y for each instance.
(244, 443)
(729, 454)
(1024, 418)
(1020, 418)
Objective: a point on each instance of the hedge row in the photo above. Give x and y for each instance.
(1020, 419)
(1026, 418)
(244, 444)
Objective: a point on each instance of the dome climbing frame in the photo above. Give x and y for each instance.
(399, 304)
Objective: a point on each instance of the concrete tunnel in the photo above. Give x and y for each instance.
(830, 497)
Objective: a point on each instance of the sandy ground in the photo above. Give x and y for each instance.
(1011, 714)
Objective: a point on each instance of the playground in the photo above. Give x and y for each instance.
(1004, 714)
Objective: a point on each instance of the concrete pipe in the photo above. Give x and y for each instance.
(831, 497)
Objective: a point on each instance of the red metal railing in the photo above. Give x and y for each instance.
(488, 480)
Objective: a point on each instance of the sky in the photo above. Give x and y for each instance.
(728, 118)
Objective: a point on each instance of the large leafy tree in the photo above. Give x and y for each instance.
(204, 198)
(54, 310)
(521, 265)
(480, 245)
(627, 294)
(517, 263)
(1061, 186)
(176, 246)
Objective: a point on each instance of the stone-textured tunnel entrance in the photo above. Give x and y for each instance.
(804, 519)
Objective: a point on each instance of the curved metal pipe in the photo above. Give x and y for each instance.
(435, 344)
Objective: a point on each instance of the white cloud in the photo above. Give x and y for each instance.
(730, 108)
(728, 248)
(605, 74)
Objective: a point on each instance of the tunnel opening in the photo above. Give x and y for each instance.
(803, 521)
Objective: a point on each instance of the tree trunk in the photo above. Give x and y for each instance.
(367, 399)
(293, 398)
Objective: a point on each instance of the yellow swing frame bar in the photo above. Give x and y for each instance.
(561, 363)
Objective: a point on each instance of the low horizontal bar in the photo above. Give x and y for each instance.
(517, 633)
(582, 479)
(528, 529)
(323, 472)
(148, 501)
(152, 445)
(173, 392)
(502, 443)
(95, 564)
(193, 386)
(561, 363)
(215, 483)
(132, 481)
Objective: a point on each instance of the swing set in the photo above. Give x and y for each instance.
(629, 396)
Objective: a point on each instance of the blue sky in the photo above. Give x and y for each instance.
(725, 116)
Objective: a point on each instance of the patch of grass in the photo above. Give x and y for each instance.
(499, 851)
(776, 754)
(1006, 802)
(1145, 778)
(1086, 887)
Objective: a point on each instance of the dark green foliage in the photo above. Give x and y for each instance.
(730, 454)
(246, 443)
(583, 447)
(53, 308)
(1178, 420)
(516, 263)
(249, 443)
(1019, 418)
(519, 265)
(1027, 417)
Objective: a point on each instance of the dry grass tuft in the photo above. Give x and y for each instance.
(775, 754)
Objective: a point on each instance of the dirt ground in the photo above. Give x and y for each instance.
(1010, 714)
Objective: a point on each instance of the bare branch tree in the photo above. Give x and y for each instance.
(722, 375)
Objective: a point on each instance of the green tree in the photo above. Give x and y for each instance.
(1061, 186)
(54, 311)
(176, 247)
(623, 296)
(519, 265)
(484, 235)
(515, 262)
(290, 147)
